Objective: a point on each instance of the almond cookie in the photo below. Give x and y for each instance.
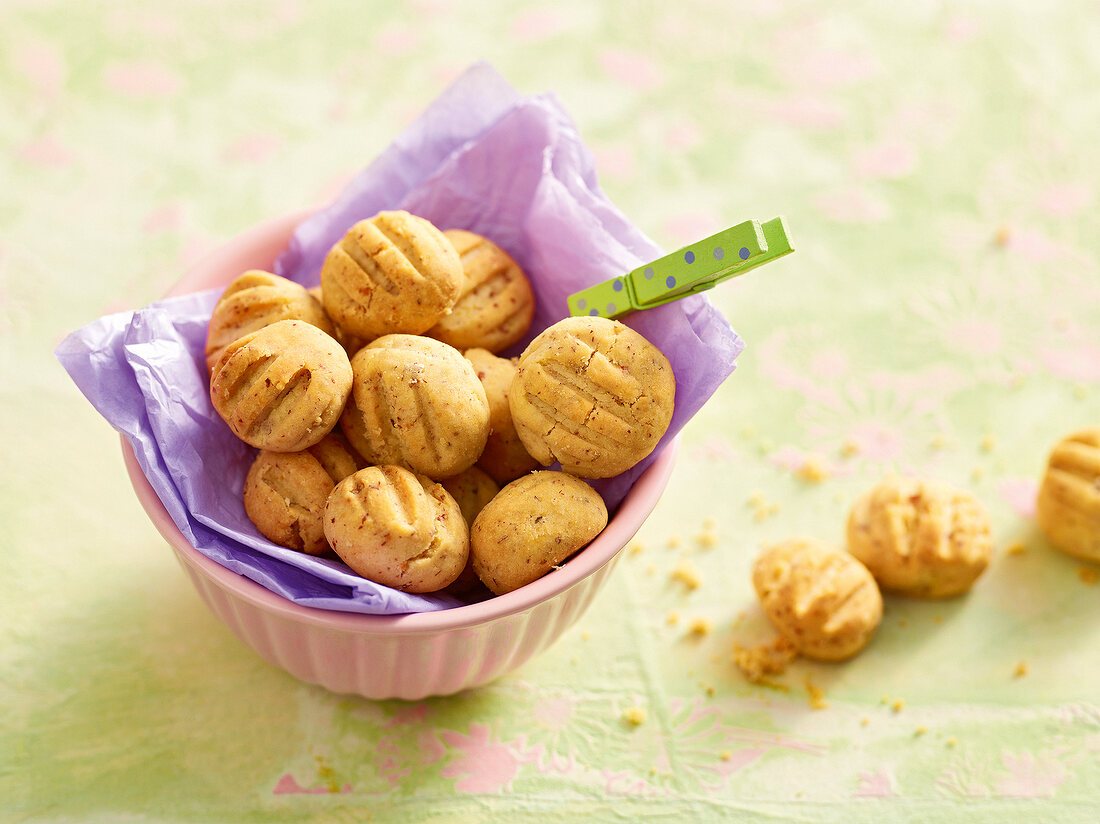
(496, 304)
(392, 273)
(593, 394)
(533, 525)
(819, 598)
(282, 387)
(257, 299)
(919, 538)
(421, 406)
(505, 457)
(472, 490)
(397, 528)
(285, 492)
(1068, 506)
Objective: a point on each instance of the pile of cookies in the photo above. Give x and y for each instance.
(392, 433)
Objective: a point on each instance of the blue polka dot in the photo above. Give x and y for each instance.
(618, 286)
(670, 281)
(689, 256)
(648, 272)
(594, 312)
(581, 303)
(719, 253)
(744, 253)
(611, 308)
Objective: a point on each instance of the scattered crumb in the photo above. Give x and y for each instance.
(977, 473)
(938, 442)
(951, 742)
(709, 691)
(897, 705)
(635, 716)
(902, 623)
(849, 449)
(864, 721)
(707, 540)
(813, 469)
(701, 626)
(1017, 548)
(938, 619)
(921, 730)
(1021, 670)
(885, 699)
(756, 499)
(726, 755)
(766, 445)
(672, 619)
(636, 548)
(649, 570)
(1088, 575)
(988, 442)
(586, 635)
(674, 542)
(709, 524)
(687, 574)
(764, 659)
(1002, 236)
(816, 694)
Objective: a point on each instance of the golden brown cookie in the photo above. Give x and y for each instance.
(285, 492)
(505, 457)
(421, 406)
(282, 387)
(496, 304)
(534, 524)
(392, 273)
(257, 299)
(397, 528)
(818, 597)
(1068, 506)
(919, 538)
(472, 490)
(593, 394)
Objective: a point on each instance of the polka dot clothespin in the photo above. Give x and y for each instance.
(690, 270)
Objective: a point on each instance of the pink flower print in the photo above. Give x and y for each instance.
(1079, 361)
(141, 78)
(485, 765)
(536, 24)
(632, 69)
(614, 160)
(1030, 776)
(553, 712)
(288, 785)
(852, 204)
(877, 441)
(962, 28)
(397, 40)
(43, 65)
(251, 148)
(683, 136)
(46, 152)
(167, 218)
(878, 784)
(1065, 199)
(888, 159)
(1019, 494)
(687, 227)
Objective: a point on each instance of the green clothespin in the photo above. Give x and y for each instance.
(691, 270)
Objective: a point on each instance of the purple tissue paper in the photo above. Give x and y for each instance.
(481, 157)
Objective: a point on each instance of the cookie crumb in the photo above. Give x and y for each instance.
(976, 473)
(849, 449)
(709, 691)
(921, 730)
(816, 695)
(672, 619)
(687, 574)
(707, 540)
(897, 705)
(673, 542)
(709, 524)
(938, 442)
(885, 699)
(1017, 548)
(1002, 235)
(700, 627)
(725, 755)
(951, 742)
(1021, 670)
(762, 660)
(649, 570)
(813, 469)
(635, 716)
(988, 443)
(586, 635)
(1088, 575)
(864, 721)
(636, 548)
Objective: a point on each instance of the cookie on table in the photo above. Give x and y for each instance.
(818, 597)
(397, 528)
(392, 273)
(495, 306)
(532, 525)
(505, 457)
(919, 538)
(282, 387)
(257, 299)
(1068, 506)
(419, 405)
(593, 394)
(285, 492)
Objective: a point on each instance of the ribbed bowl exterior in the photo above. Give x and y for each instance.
(408, 666)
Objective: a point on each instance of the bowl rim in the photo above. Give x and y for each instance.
(241, 252)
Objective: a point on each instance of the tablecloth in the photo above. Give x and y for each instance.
(937, 166)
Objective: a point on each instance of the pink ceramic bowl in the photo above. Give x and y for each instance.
(392, 656)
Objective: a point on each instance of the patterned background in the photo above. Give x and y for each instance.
(937, 166)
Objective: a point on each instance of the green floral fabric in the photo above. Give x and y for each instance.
(937, 166)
